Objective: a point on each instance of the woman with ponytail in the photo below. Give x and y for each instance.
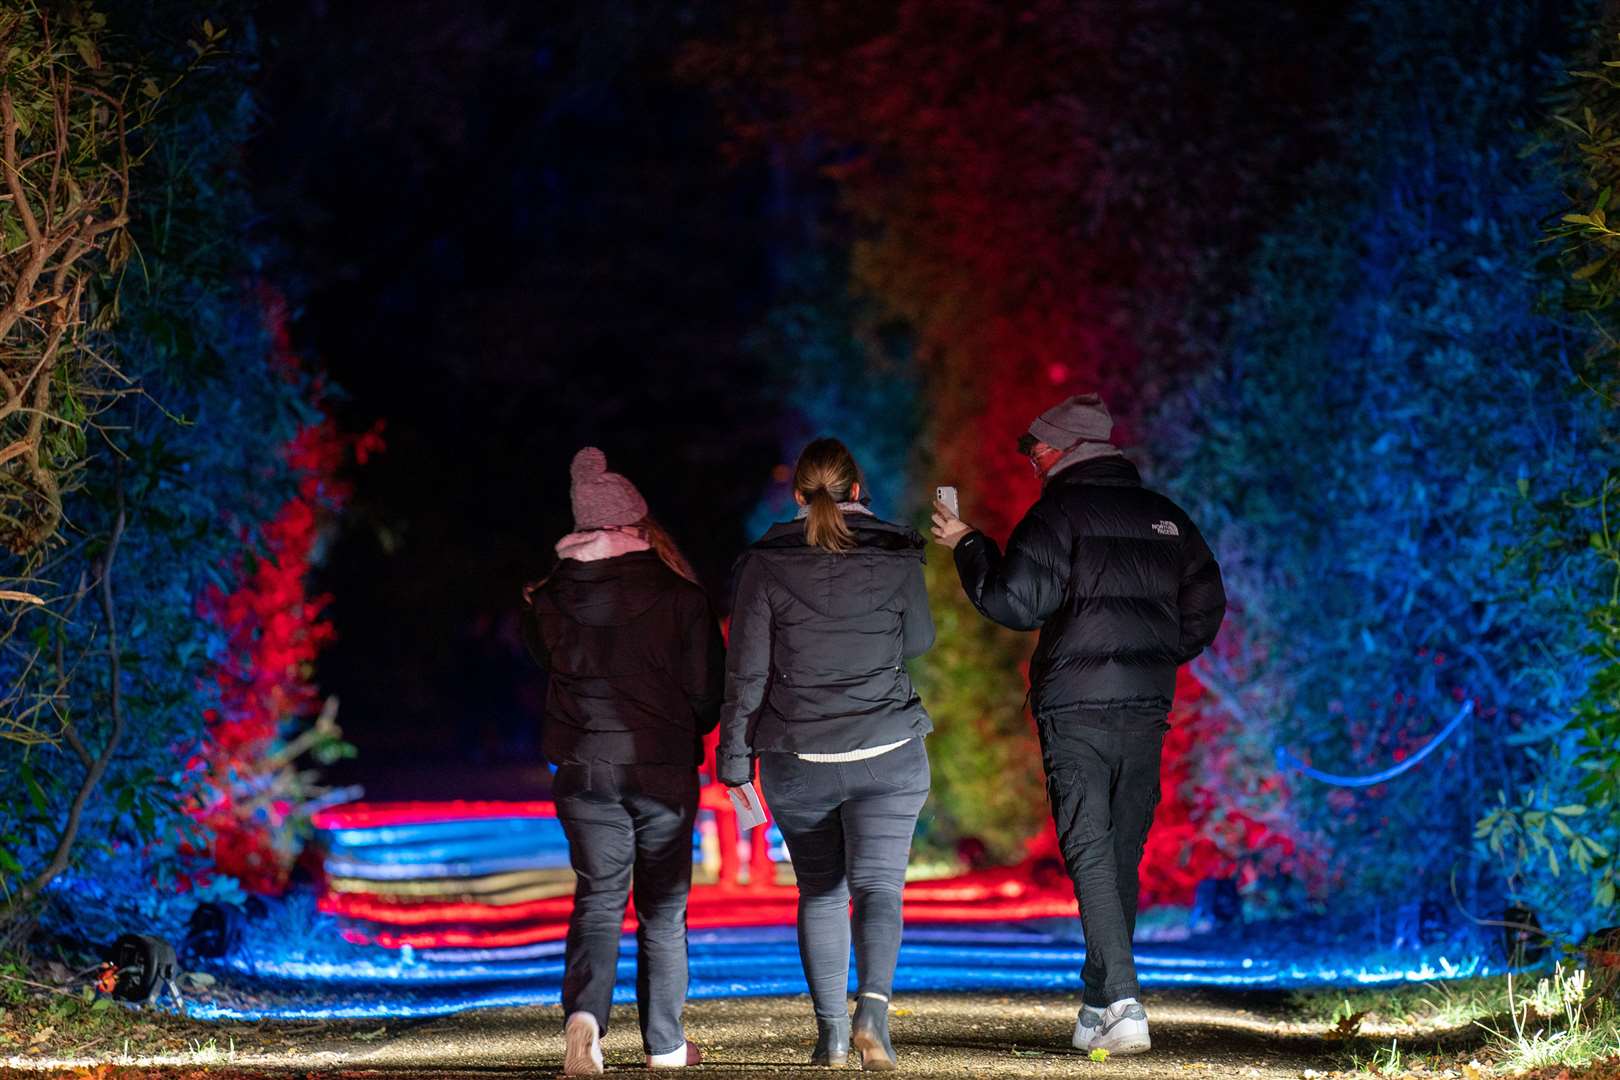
(636, 667)
(828, 609)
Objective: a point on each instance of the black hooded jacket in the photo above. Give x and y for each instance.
(1117, 579)
(636, 661)
(819, 642)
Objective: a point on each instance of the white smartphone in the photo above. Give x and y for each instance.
(947, 495)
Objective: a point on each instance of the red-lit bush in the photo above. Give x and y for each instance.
(273, 630)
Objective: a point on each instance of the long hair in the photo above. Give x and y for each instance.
(824, 477)
(664, 544)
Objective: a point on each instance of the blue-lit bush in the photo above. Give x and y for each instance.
(194, 461)
(1367, 459)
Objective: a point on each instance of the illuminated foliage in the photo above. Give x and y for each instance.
(1587, 283)
(1031, 193)
(1390, 404)
(193, 478)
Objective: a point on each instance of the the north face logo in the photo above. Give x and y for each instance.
(1166, 528)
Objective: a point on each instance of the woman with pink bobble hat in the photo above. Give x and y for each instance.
(637, 673)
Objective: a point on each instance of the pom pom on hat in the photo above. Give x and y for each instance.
(602, 499)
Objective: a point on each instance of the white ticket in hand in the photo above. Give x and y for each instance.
(746, 801)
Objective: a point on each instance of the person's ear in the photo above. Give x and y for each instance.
(855, 492)
(798, 497)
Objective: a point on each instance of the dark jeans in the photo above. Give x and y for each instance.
(1102, 778)
(622, 819)
(848, 828)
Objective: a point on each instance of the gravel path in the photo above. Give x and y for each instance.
(947, 1035)
(1195, 1033)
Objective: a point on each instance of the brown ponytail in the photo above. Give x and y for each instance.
(824, 477)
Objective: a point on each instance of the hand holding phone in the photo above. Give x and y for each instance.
(949, 528)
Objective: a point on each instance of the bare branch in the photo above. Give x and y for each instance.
(115, 707)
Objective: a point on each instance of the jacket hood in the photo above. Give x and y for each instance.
(1115, 470)
(608, 591)
(846, 584)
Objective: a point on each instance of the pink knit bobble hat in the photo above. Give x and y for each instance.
(602, 499)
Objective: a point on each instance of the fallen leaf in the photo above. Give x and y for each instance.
(1348, 1027)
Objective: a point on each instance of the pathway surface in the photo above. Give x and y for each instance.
(1196, 1034)
(936, 1036)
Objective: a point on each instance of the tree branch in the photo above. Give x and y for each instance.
(98, 768)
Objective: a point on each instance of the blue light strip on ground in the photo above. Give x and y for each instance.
(381, 871)
(460, 849)
(911, 977)
(440, 831)
(351, 982)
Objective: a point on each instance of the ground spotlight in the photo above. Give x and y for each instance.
(214, 929)
(1523, 940)
(144, 965)
(1216, 906)
(1420, 922)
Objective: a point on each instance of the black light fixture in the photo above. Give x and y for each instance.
(144, 965)
(1523, 941)
(1421, 922)
(214, 929)
(1216, 906)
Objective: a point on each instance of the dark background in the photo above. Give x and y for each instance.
(509, 232)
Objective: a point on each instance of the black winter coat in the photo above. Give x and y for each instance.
(1117, 579)
(819, 642)
(636, 660)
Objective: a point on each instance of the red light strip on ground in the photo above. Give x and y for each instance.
(372, 815)
(775, 907)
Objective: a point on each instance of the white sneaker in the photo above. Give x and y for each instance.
(1123, 1030)
(688, 1053)
(1088, 1027)
(583, 1042)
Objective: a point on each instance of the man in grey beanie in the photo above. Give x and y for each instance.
(1123, 590)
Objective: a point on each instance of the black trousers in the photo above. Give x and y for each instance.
(848, 828)
(1102, 779)
(625, 821)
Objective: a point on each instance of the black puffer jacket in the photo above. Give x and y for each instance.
(636, 661)
(1117, 579)
(819, 642)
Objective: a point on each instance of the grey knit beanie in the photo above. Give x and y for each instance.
(1082, 418)
(602, 499)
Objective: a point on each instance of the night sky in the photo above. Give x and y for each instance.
(509, 232)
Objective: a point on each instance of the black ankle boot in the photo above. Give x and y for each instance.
(832, 1042)
(870, 1034)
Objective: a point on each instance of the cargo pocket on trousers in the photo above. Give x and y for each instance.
(1147, 820)
(1065, 793)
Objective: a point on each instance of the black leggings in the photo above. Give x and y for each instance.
(848, 827)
